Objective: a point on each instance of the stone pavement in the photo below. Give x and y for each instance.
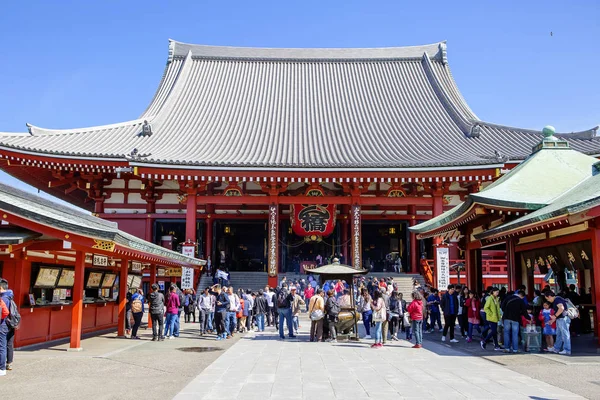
(259, 366)
(112, 368)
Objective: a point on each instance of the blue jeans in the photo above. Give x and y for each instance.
(209, 322)
(511, 333)
(471, 326)
(230, 322)
(408, 330)
(378, 333)
(563, 336)
(176, 325)
(3, 345)
(295, 323)
(433, 318)
(367, 318)
(417, 328)
(493, 334)
(170, 324)
(260, 322)
(285, 314)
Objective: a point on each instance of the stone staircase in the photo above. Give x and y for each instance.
(244, 280)
(258, 280)
(404, 281)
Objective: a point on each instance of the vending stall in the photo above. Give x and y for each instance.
(70, 271)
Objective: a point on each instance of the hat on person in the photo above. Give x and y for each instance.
(293, 288)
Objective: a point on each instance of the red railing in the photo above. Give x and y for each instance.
(488, 267)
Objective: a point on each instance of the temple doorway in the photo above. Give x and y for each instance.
(241, 245)
(299, 254)
(386, 246)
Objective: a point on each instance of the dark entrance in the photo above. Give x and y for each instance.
(170, 233)
(240, 245)
(296, 251)
(385, 244)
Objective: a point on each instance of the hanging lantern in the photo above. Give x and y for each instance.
(313, 219)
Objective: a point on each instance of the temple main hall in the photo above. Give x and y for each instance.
(269, 160)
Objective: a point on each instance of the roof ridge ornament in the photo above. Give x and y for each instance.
(171, 51)
(29, 128)
(550, 141)
(443, 50)
(146, 129)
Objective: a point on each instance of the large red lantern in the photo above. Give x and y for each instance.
(313, 219)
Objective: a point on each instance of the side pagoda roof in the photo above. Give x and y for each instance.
(580, 197)
(45, 212)
(293, 109)
(550, 172)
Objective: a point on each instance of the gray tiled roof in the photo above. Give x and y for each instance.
(46, 212)
(303, 108)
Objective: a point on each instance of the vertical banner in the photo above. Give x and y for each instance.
(187, 278)
(443, 267)
(187, 274)
(356, 238)
(273, 254)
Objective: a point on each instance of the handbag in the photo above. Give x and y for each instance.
(316, 315)
(405, 319)
(378, 316)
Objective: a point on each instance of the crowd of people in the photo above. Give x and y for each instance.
(508, 320)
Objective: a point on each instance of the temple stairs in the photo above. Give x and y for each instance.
(258, 280)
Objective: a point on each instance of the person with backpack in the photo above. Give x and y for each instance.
(9, 321)
(449, 305)
(156, 304)
(562, 320)
(137, 310)
(260, 310)
(284, 309)
(189, 306)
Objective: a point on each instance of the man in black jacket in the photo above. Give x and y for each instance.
(449, 306)
(261, 309)
(156, 303)
(513, 307)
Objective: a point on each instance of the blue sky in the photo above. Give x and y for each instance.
(68, 64)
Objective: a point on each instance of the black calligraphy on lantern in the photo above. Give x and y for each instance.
(314, 218)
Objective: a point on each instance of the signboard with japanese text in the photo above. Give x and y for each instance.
(136, 266)
(100, 261)
(443, 267)
(173, 271)
(187, 278)
(188, 250)
(273, 251)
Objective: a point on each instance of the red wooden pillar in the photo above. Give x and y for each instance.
(273, 243)
(356, 236)
(190, 217)
(152, 282)
(77, 310)
(596, 279)
(413, 245)
(122, 296)
(511, 269)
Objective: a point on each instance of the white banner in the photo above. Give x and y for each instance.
(187, 274)
(443, 267)
(187, 278)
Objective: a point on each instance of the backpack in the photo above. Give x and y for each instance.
(14, 318)
(136, 306)
(572, 311)
(282, 299)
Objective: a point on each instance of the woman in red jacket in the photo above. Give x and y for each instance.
(473, 305)
(415, 310)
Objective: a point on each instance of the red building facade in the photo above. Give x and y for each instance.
(235, 139)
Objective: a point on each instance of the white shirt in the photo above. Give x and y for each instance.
(234, 303)
(269, 296)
